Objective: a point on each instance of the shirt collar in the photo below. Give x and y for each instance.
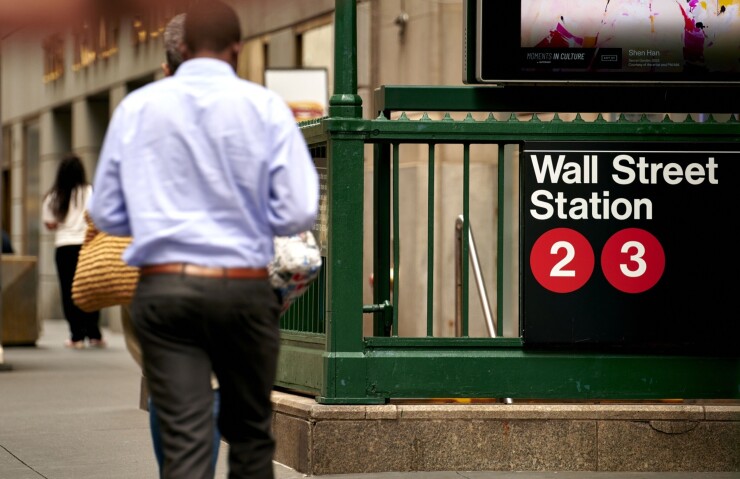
(208, 66)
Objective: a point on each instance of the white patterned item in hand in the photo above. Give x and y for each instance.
(296, 264)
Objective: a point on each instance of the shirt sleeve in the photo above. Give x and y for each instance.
(46, 215)
(294, 189)
(107, 205)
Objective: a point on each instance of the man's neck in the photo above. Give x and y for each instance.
(224, 55)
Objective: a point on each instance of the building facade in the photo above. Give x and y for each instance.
(59, 88)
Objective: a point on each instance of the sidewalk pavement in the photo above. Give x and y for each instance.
(68, 414)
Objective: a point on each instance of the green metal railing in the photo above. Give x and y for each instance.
(325, 350)
(350, 368)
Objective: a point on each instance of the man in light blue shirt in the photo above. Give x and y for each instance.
(203, 169)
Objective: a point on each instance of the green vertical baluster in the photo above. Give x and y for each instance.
(396, 242)
(430, 244)
(465, 253)
(500, 240)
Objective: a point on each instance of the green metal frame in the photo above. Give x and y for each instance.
(337, 364)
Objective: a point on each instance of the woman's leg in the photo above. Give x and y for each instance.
(156, 438)
(82, 324)
(92, 327)
(216, 432)
(66, 261)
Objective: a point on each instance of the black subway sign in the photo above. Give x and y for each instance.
(629, 246)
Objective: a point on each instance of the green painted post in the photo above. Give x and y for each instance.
(345, 102)
(344, 365)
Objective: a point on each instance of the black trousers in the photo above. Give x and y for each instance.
(189, 326)
(81, 324)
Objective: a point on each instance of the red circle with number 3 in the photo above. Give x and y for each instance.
(562, 260)
(633, 260)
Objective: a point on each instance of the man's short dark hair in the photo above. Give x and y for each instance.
(211, 25)
(173, 37)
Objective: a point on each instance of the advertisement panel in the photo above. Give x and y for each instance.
(608, 41)
(304, 89)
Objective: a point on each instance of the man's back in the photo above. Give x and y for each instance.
(208, 147)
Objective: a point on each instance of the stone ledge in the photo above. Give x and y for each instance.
(321, 439)
(20, 324)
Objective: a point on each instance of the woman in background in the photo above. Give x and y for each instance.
(63, 212)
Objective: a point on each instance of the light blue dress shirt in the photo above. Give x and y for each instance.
(203, 167)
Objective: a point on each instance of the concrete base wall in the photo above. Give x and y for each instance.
(321, 439)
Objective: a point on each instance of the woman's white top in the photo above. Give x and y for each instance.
(72, 230)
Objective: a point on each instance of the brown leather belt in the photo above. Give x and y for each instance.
(206, 271)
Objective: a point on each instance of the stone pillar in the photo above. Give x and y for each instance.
(89, 122)
(117, 93)
(54, 142)
(17, 213)
(90, 117)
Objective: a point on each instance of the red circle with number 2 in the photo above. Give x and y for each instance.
(562, 260)
(633, 260)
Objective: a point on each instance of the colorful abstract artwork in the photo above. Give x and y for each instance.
(648, 35)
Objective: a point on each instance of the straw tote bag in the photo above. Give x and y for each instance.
(102, 279)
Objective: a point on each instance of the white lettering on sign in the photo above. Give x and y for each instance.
(628, 170)
(569, 56)
(596, 207)
(573, 172)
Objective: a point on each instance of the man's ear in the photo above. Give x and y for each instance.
(166, 69)
(236, 48)
(184, 51)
